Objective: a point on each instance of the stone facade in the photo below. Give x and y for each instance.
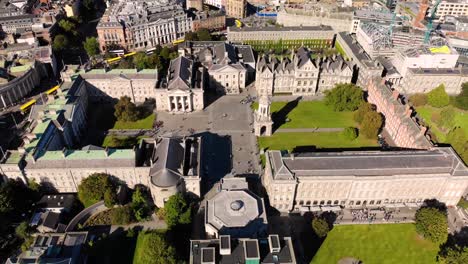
(208, 20)
(241, 35)
(182, 91)
(400, 124)
(236, 8)
(133, 25)
(300, 75)
(423, 80)
(306, 181)
(263, 125)
(105, 85)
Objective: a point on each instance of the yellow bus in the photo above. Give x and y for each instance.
(238, 23)
(178, 41)
(27, 105)
(53, 89)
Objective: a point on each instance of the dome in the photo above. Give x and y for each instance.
(165, 178)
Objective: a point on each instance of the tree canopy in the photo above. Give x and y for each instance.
(177, 210)
(67, 26)
(91, 45)
(93, 188)
(126, 110)
(153, 248)
(320, 227)
(350, 133)
(418, 99)
(16, 197)
(454, 255)
(344, 97)
(431, 223)
(457, 138)
(438, 97)
(363, 109)
(371, 124)
(60, 42)
(461, 100)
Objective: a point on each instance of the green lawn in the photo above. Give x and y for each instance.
(288, 141)
(141, 244)
(379, 244)
(145, 123)
(461, 120)
(311, 114)
(120, 141)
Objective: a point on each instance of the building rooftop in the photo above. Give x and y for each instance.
(57, 201)
(366, 163)
(273, 28)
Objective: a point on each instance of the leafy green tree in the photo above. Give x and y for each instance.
(122, 215)
(60, 42)
(126, 110)
(363, 109)
(125, 64)
(448, 117)
(431, 223)
(154, 249)
(191, 36)
(140, 60)
(91, 45)
(165, 53)
(344, 97)
(67, 25)
(454, 255)
(16, 197)
(141, 207)
(204, 35)
(320, 227)
(350, 133)
(438, 97)
(177, 210)
(371, 125)
(418, 99)
(93, 188)
(22, 230)
(457, 138)
(110, 198)
(461, 100)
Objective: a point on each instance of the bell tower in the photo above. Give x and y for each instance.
(263, 125)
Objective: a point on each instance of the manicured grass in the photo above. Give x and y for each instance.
(311, 114)
(288, 141)
(120, 141)
(461, 120)
(117, 248)
(341, 50)
(145, 123)
(463, 203)
(379, 244)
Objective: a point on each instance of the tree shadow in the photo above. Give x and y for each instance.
(279, 117)
(434, 203)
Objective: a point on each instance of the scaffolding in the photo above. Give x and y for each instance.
(380, 35)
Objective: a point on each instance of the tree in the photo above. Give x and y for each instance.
(320, 227)
(141, 207)
(447, 117)
(67, 25)
(91, 45)
(16, 197)
(350, 133)
(438, 97)
(363, 109)
(154, 249)
(121, 215)
(191, 36)
(165, 53)
(22, 230)
(140, 60)
(418, 99)
(371, 124)
(344, 97)
(454, 255)
(177, 210)
(126, 110)
(431, 223)
(93, 188)
(60, 42)
(461, 100)
(457, 138)
(110, 198)
(204, 35)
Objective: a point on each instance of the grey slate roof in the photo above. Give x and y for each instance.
(180, 73)
(367, 163)
(169, 157)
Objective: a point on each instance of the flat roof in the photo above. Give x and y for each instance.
(304, 28)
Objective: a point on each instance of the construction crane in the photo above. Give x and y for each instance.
(427, 35)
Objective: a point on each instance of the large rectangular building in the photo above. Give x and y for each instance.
(353, 179)
(240, 35)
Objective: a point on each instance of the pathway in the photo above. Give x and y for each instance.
(309, 130)
(85, 215)
(154, 223)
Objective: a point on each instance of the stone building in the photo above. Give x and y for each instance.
(211, 20)
(195, 4)
(300, 75)
(263, 125)
(182, 90)
(230, 67)
(235, 211)
(236, 8)
(241, 35)
(400, 124)
(356, 179)
(423, 80)
(134, 25)
(52, 153)
(106, 85)
(17, 82)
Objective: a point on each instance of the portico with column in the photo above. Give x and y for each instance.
(179, 103)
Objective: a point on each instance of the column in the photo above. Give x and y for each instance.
(189, 99)
(176, 103)
(183, 103)
(169, 103)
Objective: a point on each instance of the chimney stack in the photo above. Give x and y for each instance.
(225, 245)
